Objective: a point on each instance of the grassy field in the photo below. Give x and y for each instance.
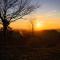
(39, 46)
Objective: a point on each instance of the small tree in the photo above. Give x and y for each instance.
(12, 10)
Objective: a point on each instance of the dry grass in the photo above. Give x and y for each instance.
(44, 46)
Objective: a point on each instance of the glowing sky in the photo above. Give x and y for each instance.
(48, 13)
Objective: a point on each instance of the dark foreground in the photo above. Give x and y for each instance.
(39, 47)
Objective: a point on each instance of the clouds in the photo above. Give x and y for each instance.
(51, 13)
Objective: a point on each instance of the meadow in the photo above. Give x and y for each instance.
(41, 45)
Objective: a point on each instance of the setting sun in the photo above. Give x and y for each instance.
(38, 25)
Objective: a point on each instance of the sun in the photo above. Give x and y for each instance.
(38, 25)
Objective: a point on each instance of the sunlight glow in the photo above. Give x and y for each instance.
(38, 25)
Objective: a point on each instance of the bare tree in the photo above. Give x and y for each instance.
(12, 10)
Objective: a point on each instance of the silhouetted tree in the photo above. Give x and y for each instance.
(12, 10)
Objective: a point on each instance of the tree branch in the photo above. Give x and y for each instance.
(16, 9)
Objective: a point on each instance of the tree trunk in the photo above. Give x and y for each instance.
(5, 32)
(4, 28)
(5, 25)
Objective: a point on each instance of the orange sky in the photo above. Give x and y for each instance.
(40, 22)
(44, 21)
(47, 16)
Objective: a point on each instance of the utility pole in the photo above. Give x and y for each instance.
(32, 25)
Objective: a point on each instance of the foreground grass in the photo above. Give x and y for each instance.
(41, 47)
